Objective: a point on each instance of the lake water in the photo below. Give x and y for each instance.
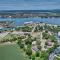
(20, 21)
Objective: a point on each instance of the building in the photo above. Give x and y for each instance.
(58, 34)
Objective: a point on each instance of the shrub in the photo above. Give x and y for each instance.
(37, 54)
(33, 56)
(29, 52)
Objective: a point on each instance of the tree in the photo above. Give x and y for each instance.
(28, 41)
(33, 56)
(20, 43)
(45, 35)
(40, 28)
(44, 55)
(35, 29)
(37, 53)
(52, 38)
(55, 45)
(50, 50)
(29, 52)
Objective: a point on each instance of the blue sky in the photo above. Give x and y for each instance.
(29, 4)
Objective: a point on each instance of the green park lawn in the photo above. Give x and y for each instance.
(11, 52)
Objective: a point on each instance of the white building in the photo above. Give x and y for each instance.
(59, 34)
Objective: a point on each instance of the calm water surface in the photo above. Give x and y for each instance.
(20, 21)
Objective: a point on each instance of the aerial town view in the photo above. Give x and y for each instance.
(29, 29)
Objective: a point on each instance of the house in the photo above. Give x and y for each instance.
(49, 43)
(34, 48)
(58, 34)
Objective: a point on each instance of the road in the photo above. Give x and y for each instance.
(42, 42)
(33, 29)
(39, 38)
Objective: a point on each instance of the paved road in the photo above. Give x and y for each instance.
(20, 33)
(33, 29)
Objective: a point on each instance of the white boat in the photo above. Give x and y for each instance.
(28, 22)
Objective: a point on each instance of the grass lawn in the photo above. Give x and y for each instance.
(11, 52)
